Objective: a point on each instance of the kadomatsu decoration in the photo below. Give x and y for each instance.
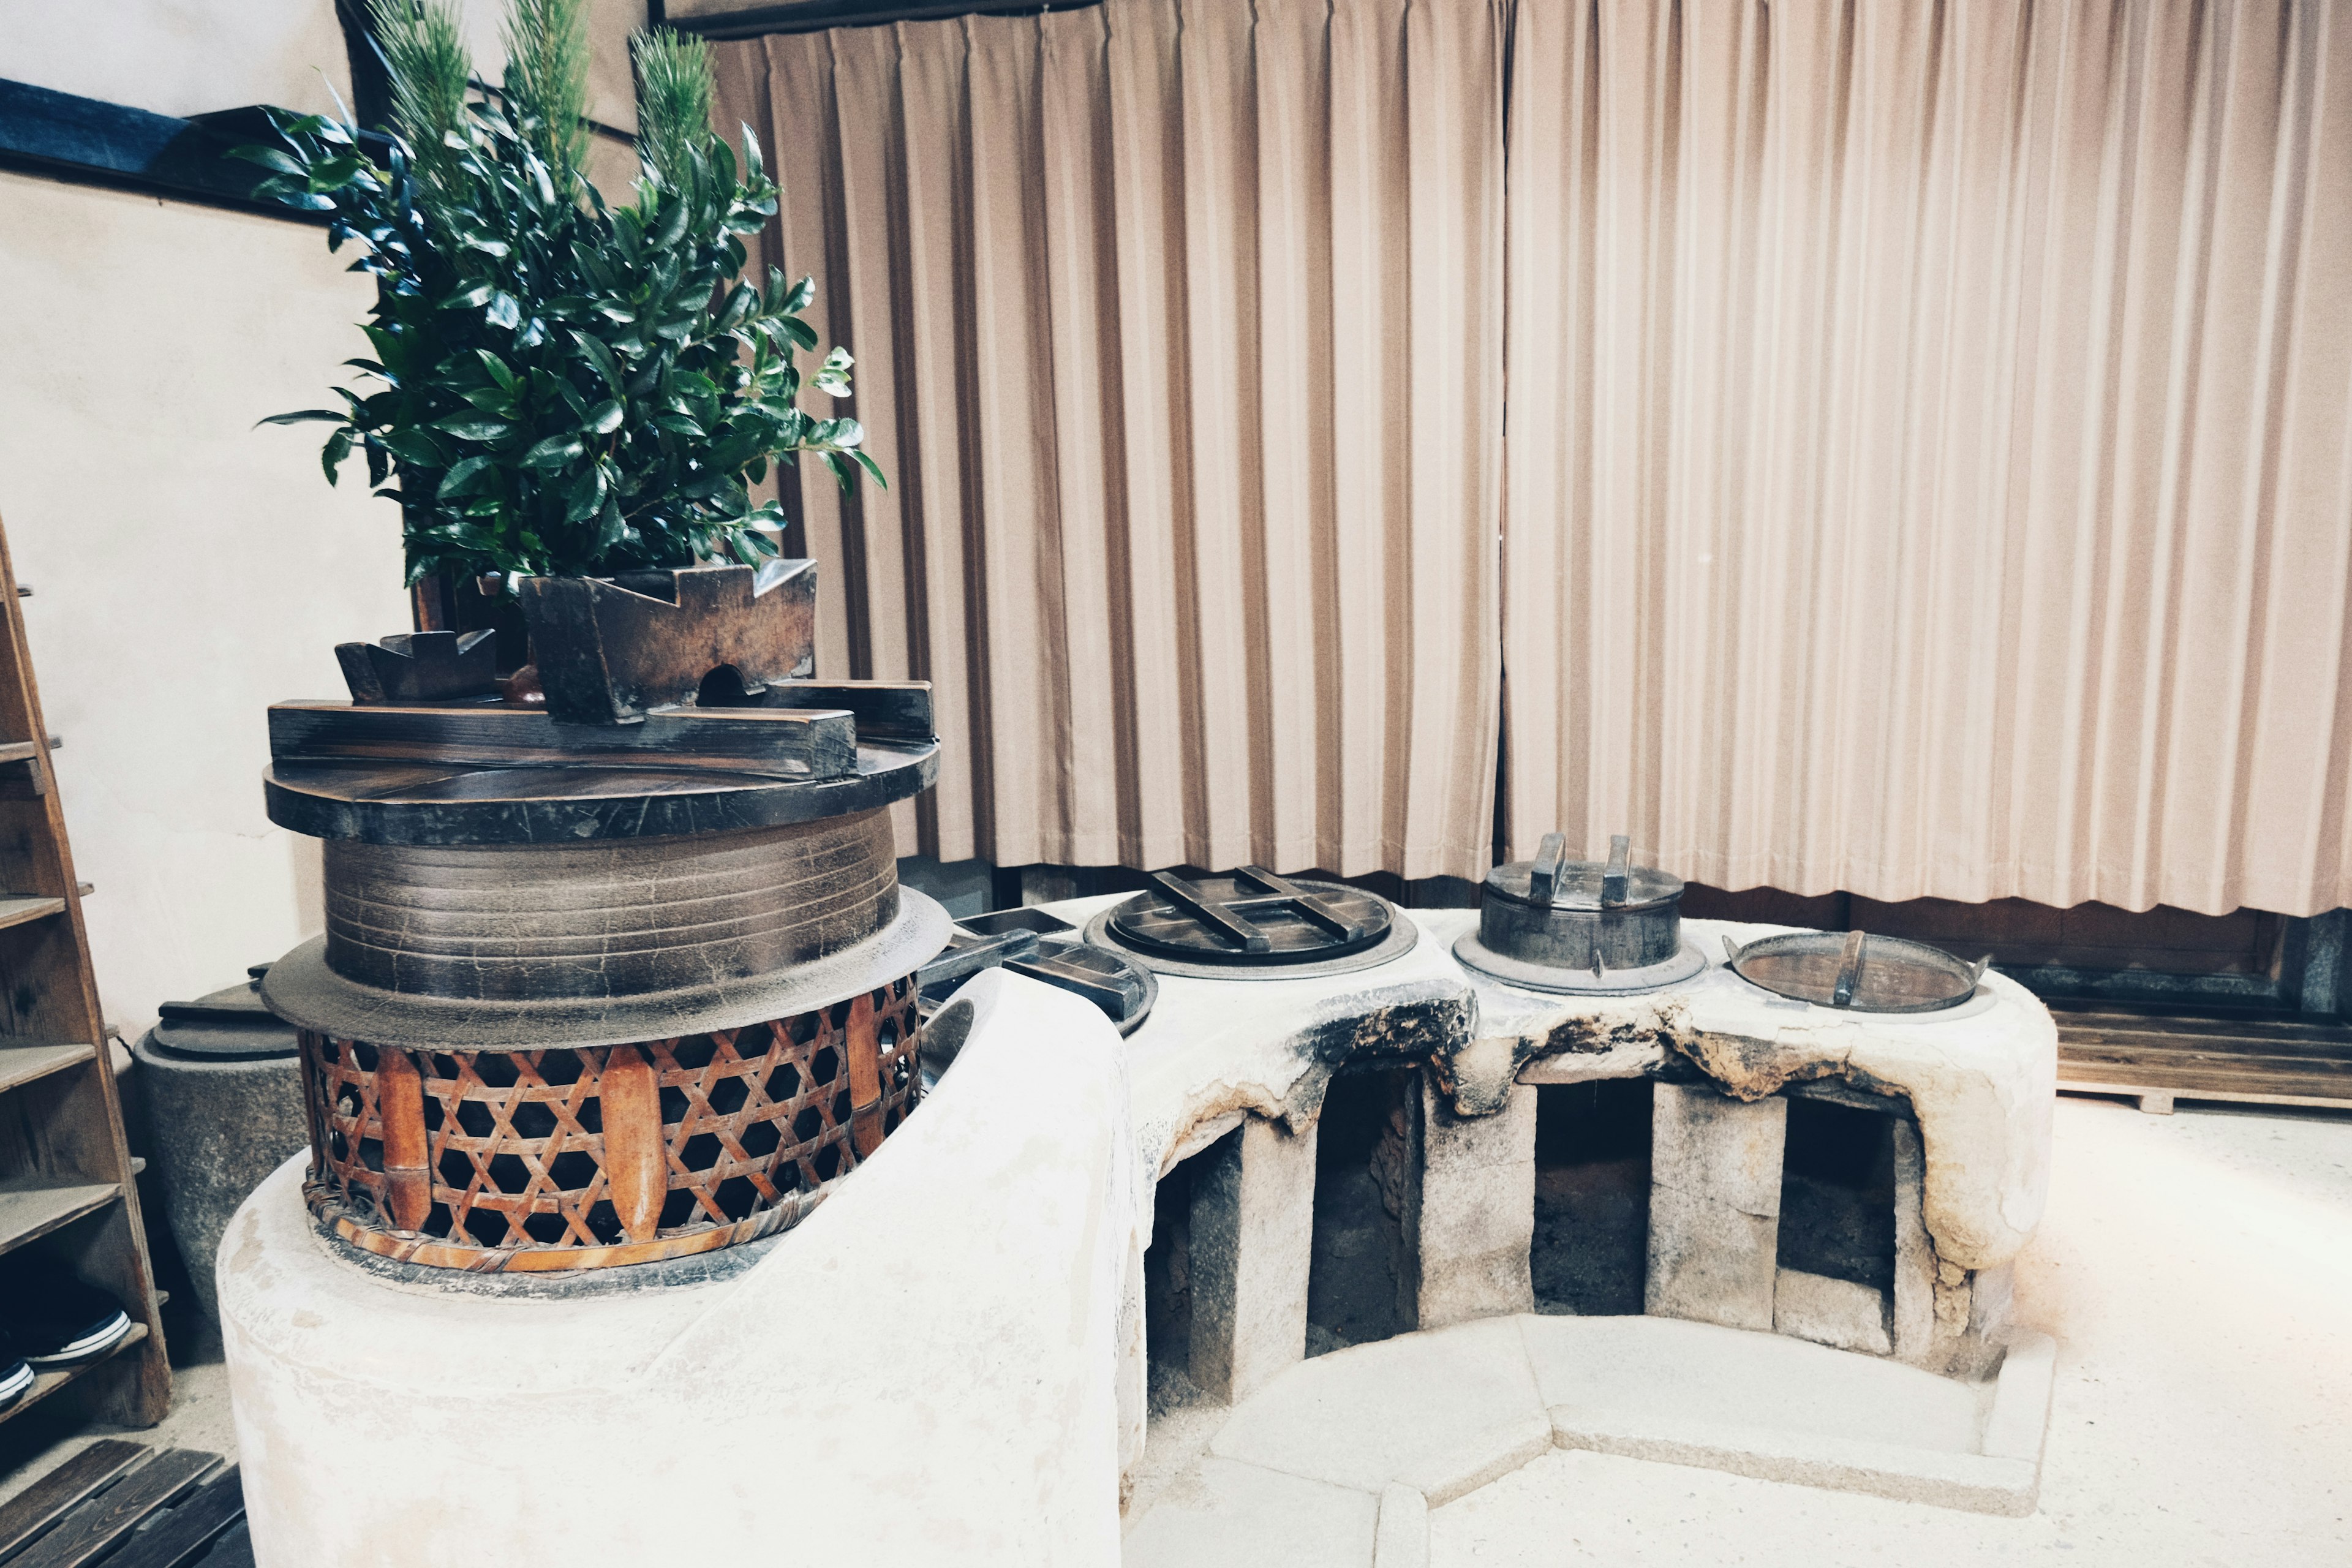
(566, 388)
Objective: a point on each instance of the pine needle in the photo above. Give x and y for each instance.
(674, 94)
(547, 80)
(425, 48)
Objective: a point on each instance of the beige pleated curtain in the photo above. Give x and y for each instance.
(1929, 463)
(1180, 331)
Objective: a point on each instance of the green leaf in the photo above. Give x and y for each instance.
(268, 158)
(505, 309)
(465, 298)
(671, 227)
(305, 416)
(602, 358)
(471, 428)
(413, 447)
(585, 496)
(873, 468)
(338, 447)
(553, 452)
(798, 300)
(605, 418)
(507, 379)
(461, 477)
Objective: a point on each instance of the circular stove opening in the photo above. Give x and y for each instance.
(1251, 924)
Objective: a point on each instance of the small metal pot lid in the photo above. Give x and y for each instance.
(1251, 918)
(1044, 948)
(229, 1023)
(1856, 970)
(1551, 881)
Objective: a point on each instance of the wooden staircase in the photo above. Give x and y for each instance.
(69, 1205)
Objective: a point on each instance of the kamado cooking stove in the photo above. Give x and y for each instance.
(613, 981)
(1251, 924)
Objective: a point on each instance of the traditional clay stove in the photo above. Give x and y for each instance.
(1580, 927)
(621, 979)
(1251, 924)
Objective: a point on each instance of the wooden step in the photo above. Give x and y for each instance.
(48, 1383)
(31, 1207)
(16, 908)
(22, 1062)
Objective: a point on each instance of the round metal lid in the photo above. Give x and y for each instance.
(230, 1024)
(1250, 919)
(1475, 954)
(1551, 880)
(1856, 970)
(470, 802)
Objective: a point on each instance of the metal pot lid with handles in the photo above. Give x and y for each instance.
(231, 1024)
(1551, 881)
(1856, 972)
(1583, 928)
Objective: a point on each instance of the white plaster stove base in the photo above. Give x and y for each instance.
(1340, 1461)
(920, 1373)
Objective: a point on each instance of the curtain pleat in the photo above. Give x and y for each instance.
(1179, 331)
(1930, 456)
(1929, 462)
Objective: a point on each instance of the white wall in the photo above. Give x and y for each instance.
(189, 569)
(179, 57)
(192, 57)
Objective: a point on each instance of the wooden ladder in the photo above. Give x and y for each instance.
(68, 1204)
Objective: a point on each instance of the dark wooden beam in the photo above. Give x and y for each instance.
(87, 140)
(759, 16)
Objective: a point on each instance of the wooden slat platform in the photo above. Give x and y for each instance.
(2159, 1055)
(124, 1505)
(48, 1383)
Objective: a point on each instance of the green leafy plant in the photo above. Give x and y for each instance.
(562, 388)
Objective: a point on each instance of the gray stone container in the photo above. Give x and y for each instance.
(221, 1095)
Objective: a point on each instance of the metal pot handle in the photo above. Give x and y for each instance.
(1613, 878)
(1849, 969)
(1544, 872)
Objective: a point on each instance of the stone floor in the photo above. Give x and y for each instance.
(2197, 1271)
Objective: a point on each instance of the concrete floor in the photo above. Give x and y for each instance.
(2197, 1273)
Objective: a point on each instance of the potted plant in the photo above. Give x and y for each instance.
(569, 395)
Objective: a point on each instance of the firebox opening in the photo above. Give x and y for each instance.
(1837, 1192)
(1590, 1250)
(723, 687)
(1358, 1283)
(1168, 1290)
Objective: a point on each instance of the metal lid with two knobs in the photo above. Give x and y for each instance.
(1580, 926)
